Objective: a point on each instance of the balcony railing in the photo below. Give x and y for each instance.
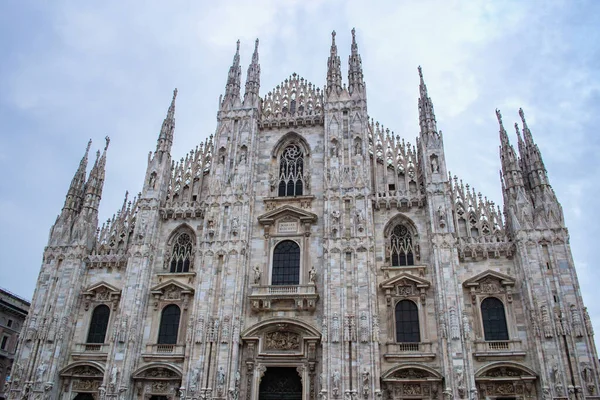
(499, 348)
(409, 350)
(162, 351)
(283, 297)
(94, 351)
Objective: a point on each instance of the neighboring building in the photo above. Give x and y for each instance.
(306, 252)
(13, 311)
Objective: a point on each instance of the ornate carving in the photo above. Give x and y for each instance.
(546, 323)
(366, 387)
(335, 328)
(454, 327)
(576, 320)
(282, 340)
(162, 373)
(364, 328)
(349, 328)
(588, 323)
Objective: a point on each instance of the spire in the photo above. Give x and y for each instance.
(334, 72)
(165, 139)
(252, 79)
(95, 183)
(75, 194)
(355, 72)
(426, 114)
(511, 171)
(532, 161)
(232, 89)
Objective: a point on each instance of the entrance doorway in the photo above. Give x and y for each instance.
(280, 383)
(84, 396)
(159, 398)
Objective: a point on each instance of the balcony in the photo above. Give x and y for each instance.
(164, 352)
(91, 351)
(498, 349)
(284, 298)
(404, 351)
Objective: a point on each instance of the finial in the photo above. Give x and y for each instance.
(256, 44)
(174, 93)
(521, 114)
(87, 150)
(499, 116)
(420, 72)
(237, 50)
(353, 35)
(333, 38)
(107, 143)
(517, 130)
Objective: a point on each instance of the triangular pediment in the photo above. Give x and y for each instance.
(287, 211)
(505, 280)
(170, 286)
(404, 278)
(101, 287)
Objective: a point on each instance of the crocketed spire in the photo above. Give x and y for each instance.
(252, 79)
(165, 138)
(355, 72)
(334, 71)
(232, 89)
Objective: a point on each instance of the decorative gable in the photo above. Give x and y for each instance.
(171, 291)
(101, 292)
(287, 220)
(490, 283)
(405, 286)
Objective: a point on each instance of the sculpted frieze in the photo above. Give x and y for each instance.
(282, 340)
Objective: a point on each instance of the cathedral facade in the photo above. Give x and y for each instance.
(305, 252)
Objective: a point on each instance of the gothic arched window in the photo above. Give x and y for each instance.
(291, 168)
(169, 325)
(407, 322)
(401, 246)
(181, 253)
(98, 324)
(494, 319)
(286, 264)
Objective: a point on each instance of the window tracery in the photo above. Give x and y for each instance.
(98, 324)
(181, 253)
(494, 319)
(401, 246)
(407, 322)
(286, 264)
(291, 168)
(169, 325)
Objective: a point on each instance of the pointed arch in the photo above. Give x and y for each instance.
(181, 249)
(291, 138)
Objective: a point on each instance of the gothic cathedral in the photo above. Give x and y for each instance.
(305, 252)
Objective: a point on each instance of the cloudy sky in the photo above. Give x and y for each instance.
(72, 70)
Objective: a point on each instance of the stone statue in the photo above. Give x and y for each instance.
(220, 376)
(312, 275)
(39, 372)
(435, 168)
(335, 378)
(257, 275)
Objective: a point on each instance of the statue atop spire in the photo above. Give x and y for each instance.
(253, 79)
(426, 114)
(165, 139)
(511, 174)
(334, 71)
(232, 89)
(355, 72)
(74, 198)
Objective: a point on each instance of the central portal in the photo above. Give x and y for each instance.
(280, 383)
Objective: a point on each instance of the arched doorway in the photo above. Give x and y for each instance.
(84, 396)
(280, 383)
(159, 398)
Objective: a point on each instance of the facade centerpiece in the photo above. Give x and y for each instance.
(305, 251)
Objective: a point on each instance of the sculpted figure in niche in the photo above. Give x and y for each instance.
(312, 275)
(435, 167)
(257, 274)
(334, 148)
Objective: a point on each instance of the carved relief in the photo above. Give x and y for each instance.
(282, 340)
